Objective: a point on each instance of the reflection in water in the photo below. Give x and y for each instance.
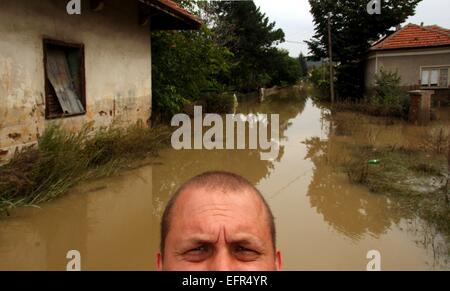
(179, 166)
(363, 214)
(353, 215)
(323, 221)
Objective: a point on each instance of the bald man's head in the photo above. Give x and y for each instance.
(212, 210)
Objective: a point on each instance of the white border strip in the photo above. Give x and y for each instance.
(380, 55)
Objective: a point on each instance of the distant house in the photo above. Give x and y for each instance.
(420, 54)
(94, 67)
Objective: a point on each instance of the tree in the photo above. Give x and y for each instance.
(247, 33)
(353, 29)
(234, 50)
(281, 68)
(303, 66)
(185, 64)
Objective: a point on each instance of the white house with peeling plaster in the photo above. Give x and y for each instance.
(76, 69)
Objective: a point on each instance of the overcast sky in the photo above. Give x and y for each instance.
(294, 18)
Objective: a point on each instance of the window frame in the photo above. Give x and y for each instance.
(82, 73)
(435, 68)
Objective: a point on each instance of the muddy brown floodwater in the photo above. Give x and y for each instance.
(324, 222)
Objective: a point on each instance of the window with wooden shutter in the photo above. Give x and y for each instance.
(64, 79)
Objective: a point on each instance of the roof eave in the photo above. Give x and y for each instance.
(165, 17)
(408, 48)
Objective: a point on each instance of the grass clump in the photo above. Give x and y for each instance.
(417, 178)
(63, 158)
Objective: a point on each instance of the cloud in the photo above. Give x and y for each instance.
(432, 12)
(294, 17)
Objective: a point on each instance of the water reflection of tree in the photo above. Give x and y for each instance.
(179, 166)
(287, 110)
(352, 210)
(348, 208)
(433, 241)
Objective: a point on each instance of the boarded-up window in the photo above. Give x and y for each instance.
(64, 71)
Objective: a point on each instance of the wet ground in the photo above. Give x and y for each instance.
(324, 222)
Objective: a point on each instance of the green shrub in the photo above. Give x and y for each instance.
(387, 89)
(221, 103)
(319, 78)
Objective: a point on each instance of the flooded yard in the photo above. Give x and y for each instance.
(324, 222)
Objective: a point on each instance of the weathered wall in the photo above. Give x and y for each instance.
(370, 72)
(406, 62)
(117, 65)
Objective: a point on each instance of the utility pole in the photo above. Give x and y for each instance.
(330, 54)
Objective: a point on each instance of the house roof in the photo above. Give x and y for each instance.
(414, 36)
(168, 15)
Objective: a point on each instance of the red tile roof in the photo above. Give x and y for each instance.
(178, 10)
(439, 29)
(415, 36)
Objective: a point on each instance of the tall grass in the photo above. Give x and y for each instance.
(435, 140)
(62, 159)
(373, 109)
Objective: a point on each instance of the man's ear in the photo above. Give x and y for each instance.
(278, 261)
(159, 262)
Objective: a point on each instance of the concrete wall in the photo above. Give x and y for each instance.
(406, 62)
(370, 72)
(117, 66)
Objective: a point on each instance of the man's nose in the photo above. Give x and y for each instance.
(222, 261)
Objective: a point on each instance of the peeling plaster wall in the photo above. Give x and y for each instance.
(117, 66)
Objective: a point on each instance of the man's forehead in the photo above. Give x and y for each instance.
(196, 198)
(202, 211)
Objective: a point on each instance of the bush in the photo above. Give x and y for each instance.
(387, 89)
(184, 64)
(319, 78)
(221, 103)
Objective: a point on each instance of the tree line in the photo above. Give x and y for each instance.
(235, 50)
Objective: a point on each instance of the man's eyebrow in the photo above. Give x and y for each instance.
(199, 238)
(245, 238)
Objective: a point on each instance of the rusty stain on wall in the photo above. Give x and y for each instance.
(14, 136)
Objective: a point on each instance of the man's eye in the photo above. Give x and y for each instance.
(198, 250)
(197, 254)
(246, 254)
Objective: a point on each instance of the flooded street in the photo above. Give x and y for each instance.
(324, 222)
